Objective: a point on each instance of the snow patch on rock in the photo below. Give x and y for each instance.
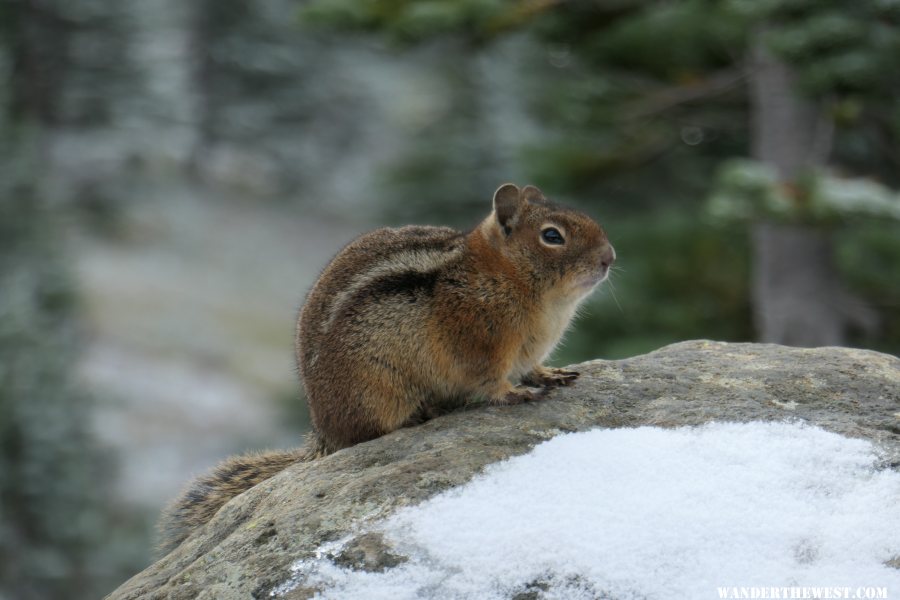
(645, 513)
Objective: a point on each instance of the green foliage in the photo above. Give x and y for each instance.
(748, 191)
(867, 256)
(98, 84)
(50, 472)
(697, 35)
(260, 97)
(56, 534)
(71, 58)
(845, 67)
(845, 57)
(408, 21)
(837, 47)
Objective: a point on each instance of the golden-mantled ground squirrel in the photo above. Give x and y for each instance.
(404, 321)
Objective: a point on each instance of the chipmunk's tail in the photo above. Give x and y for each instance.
(204, 496)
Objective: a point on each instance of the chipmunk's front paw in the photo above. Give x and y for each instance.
(521, 394)
(550, 377)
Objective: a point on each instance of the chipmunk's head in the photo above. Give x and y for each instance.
(563, 248)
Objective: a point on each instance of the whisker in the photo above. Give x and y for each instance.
(612, 290)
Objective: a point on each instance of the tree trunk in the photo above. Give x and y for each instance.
(797, 296)
(793, 286)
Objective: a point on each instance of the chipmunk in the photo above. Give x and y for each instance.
(404, 320)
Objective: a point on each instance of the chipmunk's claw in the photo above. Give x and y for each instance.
(551, 377)
(523, 394)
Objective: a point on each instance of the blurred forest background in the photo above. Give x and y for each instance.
(174, 174)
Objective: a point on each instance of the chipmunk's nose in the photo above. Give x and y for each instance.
(608, 257)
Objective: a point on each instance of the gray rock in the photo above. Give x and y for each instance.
(247, 550)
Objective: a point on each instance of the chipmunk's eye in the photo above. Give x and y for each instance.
(552, 236)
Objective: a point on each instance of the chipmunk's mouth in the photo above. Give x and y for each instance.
(594, 279)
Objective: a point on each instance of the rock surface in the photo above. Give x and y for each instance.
(246, 551)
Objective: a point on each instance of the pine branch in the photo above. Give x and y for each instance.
(668, 98)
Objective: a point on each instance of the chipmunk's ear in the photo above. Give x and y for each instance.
(532, 194)
(506, 205)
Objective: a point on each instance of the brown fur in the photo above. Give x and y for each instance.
(406, 320)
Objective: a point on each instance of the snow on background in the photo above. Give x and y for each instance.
(646, 513)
